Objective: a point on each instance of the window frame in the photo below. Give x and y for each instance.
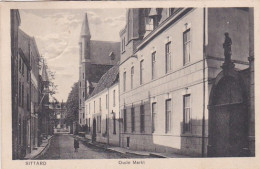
(185, 62)
(153, 58)
(168, 116)
(132, 119)
(132, 77)
(154, 117)
(141, 71)
(142, 118)
(168, 57)
(187, 127)
(124, 81)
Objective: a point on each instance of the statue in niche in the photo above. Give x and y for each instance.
(227, 48)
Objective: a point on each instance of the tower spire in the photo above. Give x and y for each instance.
(85, 31)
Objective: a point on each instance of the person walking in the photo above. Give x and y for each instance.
(76, 144)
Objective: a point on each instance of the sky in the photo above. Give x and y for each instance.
(57, 33)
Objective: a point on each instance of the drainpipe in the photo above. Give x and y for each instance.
(204, 85)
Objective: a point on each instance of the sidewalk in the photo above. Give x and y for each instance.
(40, 150)
(127, 151)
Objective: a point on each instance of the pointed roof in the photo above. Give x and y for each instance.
(85, 31)
(44, 73)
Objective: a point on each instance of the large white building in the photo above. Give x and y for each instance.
(176, 95)
(102, 109)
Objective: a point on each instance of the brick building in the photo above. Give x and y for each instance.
(102, 109)
(96, 57)
(170, 61)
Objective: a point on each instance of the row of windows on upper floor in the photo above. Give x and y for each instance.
(88, 108)
(168, 61)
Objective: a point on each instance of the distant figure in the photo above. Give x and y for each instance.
(76, 144)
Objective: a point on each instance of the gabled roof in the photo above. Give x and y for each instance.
(100, 52)
(85, 27)
(107, 80)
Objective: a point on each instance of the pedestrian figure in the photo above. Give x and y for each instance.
(76, 144)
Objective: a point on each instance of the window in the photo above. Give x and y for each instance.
(79, 102)
(83, 115)
(23, 68)
(168, 57)
(89, 124)
(83, 75)
(114, 98)
(100, 107)
(94, 106)
(20, 64)
(186, 46)
(154, 117)
(132, 77)
(125, 121)
(141, 71)
(22, 95)
(124, 87)
(168, 116)
(28, 102)
(83, 94)
(142, 118)
(153, 65)
(114, 123)
(186, 114)
(79, 84)
(123, 44)
(106, 101)
(99, 124)
(133, 118)
(28, 75)
(106, 124)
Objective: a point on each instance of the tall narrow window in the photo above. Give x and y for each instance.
(132, 77)
(142, 121)
(114, 123)
(168, 116)
(114, 98)
(83, 75)
(106, 101)
(124, 84)
(133, 118)
(94, 106)
(83, 94)
(154, 117)
(22, 95)
(106, 124)
(141, 71)
(168, 57)
(100, 107)
(186, 114)
(186, 46)
(153, 65)
(125, 120)
(28, 102)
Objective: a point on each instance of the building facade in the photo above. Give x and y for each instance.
(102, 109)
(170, 59)
(96, 57)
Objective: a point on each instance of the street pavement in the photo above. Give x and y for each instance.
(62, 147)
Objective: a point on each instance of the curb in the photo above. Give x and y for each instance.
(139, 154)
(157, 155)
(43, 150)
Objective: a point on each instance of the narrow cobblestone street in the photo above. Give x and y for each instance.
(62, 147)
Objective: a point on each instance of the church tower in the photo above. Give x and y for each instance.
(84, 66)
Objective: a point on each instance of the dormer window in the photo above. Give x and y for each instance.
(112, 56)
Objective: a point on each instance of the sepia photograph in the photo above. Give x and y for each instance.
(129, 85)
(132, 83)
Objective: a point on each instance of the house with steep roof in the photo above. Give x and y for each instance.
(102, 109)
(96, 57)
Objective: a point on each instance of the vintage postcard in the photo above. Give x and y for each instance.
(129, 84)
